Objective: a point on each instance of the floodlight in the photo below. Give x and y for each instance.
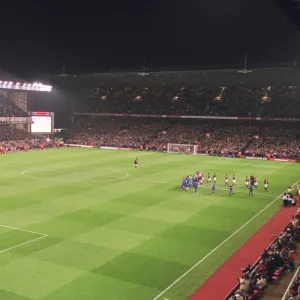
(36, 86)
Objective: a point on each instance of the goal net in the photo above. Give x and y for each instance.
(181, 148)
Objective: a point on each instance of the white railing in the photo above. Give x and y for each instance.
(286, 294)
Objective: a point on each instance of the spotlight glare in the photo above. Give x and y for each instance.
(36, 86)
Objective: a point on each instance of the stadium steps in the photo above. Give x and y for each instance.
(276, 291)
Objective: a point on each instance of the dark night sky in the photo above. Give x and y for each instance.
(40, 36)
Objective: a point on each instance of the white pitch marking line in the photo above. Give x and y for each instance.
(24, 173)
(219, 246)
(25, 243)
(24, 230)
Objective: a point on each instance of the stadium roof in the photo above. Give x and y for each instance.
(9, 81)
(255, 77)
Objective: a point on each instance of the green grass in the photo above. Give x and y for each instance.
(119, 233)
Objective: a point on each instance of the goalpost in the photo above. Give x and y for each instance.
(182, 149)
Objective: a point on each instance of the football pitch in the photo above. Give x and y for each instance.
(84, 224)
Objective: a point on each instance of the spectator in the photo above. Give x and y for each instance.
(244, 282)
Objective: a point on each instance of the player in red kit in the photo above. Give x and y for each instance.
(226, 180)
(247, 182)
(266, 185)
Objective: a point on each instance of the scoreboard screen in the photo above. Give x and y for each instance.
(42, 122)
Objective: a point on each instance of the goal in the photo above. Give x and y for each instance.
(182, 148)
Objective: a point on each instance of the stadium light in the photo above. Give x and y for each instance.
(36, 86)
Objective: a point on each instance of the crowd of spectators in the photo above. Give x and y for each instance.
(275, 102)
(274, 262)
(12, 140)
(155, 134)
(8, 133)
(280, 141)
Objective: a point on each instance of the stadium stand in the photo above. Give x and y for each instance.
(214, 138)
(273, 264)
(293, 290)
(9, 109)
(13, 140)
(221, 101)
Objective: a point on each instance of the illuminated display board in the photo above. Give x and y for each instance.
(42, 122)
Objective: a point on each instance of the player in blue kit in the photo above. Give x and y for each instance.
(213, 188)
(251, 190)
(195, 185)
(231, 191)
(183, 184)
(188, 181)
(193, 180)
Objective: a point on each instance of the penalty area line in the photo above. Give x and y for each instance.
(23, 244)
(219, 246)
(40, 236)
(24, 230)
